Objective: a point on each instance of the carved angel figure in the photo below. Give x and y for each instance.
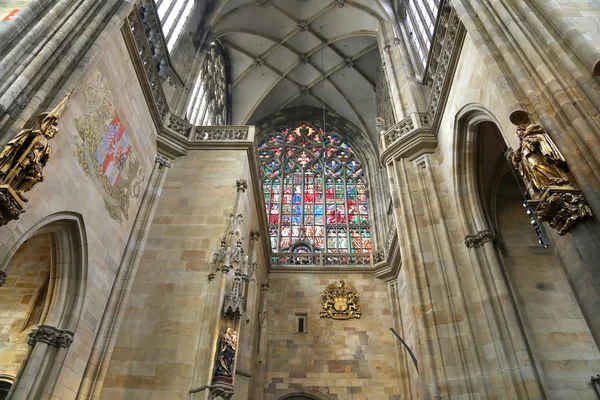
(539, 161)
(227, 353)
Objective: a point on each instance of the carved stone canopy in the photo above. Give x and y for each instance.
(340, 301)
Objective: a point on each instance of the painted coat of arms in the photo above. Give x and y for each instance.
(340, 301)
(105, 152)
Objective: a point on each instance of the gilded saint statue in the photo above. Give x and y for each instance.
(227, 351)
(22, 161)
(539, 161)
(544, 170)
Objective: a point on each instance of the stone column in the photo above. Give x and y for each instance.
(544, 63)
(212, 318)
(48, 349)
(65, 41)
(457, 312)
(104, 342)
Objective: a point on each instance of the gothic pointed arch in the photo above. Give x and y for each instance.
(318, 185)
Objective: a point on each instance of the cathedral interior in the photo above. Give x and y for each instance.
(299, 199)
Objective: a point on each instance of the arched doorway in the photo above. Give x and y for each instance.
(26, 298)
(44, 293)
(491, 197)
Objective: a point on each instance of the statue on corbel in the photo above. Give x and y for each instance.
(544, 169)
(22, 160)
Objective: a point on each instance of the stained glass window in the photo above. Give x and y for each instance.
(315, 193)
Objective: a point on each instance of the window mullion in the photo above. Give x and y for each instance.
(423, 23)
(417, 34)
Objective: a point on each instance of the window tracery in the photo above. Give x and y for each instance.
(207, 105)
(420, 23)
(315, 193)
(173, 15)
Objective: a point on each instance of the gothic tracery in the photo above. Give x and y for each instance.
(315, 193)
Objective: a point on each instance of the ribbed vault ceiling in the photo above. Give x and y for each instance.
(286, 53)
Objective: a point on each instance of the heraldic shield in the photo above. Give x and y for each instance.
(340, 301)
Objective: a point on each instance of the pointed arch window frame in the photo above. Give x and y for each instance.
(325, 223)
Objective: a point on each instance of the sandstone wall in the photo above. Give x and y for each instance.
(341, 359)
(167, 339)
(68, 189)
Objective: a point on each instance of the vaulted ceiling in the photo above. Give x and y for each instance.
(288, 53)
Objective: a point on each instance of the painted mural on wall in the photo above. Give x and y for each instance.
(105, 151)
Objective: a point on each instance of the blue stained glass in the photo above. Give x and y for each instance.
(296, 219)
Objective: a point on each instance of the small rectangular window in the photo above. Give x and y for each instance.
(300, 323)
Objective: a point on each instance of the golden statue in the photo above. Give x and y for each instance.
(22, 160)
(544, 170)
(539, 161)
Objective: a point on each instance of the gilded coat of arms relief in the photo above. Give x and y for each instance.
(340, 300)
(105, 152)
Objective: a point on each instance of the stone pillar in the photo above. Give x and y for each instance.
(48, 349)
(104, 342)
(456, 309)
(548, 66)
(66, 40)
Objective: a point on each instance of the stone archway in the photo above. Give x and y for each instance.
(48, 343)
(302, 394)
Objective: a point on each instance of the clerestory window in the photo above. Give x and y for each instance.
(316, 194)
(420, 23)
(207, 105)
(173, 15)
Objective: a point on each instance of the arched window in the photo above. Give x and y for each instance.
(173, 15)
(207, 105)
(315, 193)
(420, 23)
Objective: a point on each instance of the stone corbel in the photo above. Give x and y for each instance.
(50, 335)
(2, 278)
(480, 238)
(242, 185)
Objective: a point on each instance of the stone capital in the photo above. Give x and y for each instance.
(163, 161)
(50, 335)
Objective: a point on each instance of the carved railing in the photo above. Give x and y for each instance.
(405, 126)
(444, 49)
(312, 259)
(152, 79)
(446, 44)
(158, 44)
(169, 125)
(221, 133)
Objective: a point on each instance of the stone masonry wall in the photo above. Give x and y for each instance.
(158, 342)
(342, 359)
(68, 189)
(560, 339)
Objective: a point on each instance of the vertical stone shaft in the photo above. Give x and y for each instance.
(104, 343)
